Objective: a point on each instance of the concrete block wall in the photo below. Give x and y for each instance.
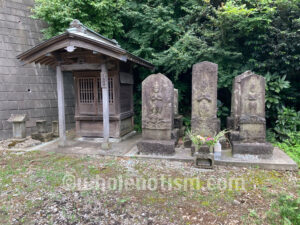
(29, 89)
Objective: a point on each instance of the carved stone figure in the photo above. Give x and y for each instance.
(252, 97)
(157, 115)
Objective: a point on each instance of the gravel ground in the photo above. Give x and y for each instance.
(34, 190)
(18, 143)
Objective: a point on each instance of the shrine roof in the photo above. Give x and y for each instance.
(79, 36)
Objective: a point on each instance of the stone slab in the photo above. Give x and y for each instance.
(128, 148)
(279, 160)
(261, 149)
(161, 147)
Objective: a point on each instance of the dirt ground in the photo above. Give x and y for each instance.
(52, 188)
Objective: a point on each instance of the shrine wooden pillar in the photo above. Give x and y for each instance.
(105, 106)
(61, 104)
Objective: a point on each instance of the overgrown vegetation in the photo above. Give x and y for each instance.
(286, 210)
(238, 35)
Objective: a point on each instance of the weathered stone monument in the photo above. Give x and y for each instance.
(204, 100)
(157, 116)
(247, 120)
(235, 114)
(19, 125)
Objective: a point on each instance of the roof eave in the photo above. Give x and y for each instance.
(127, 56)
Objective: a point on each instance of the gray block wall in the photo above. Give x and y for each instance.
(29, 89)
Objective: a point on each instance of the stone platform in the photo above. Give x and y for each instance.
(279, 160)
(128, 148)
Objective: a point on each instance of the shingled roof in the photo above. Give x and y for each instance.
(79, 36)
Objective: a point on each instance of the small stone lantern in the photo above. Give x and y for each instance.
(19, 125)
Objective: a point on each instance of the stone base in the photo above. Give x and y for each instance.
(157, 134)
(178, 121)
(205, 127)
(261, 149)
(204, 161)
(43, 137)
(159, 147)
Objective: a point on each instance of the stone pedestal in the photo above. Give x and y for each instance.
(264, 150)
(160, 147)
(19, 125)
(19, 129)
(42, 134)
(159, 136)
(55, 131)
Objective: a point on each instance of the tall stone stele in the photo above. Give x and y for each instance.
(247, 120)
(204, 100)
(157, 116)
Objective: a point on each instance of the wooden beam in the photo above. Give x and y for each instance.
(105, 106)
(61, 105)
(83, 66)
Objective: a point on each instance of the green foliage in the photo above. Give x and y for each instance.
(291, 146)
(101, 16)
(286, 210)
(275, 85)
(238, 35)
(288, 122)
(287, 131)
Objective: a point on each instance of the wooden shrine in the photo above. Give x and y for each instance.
(103, 80)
